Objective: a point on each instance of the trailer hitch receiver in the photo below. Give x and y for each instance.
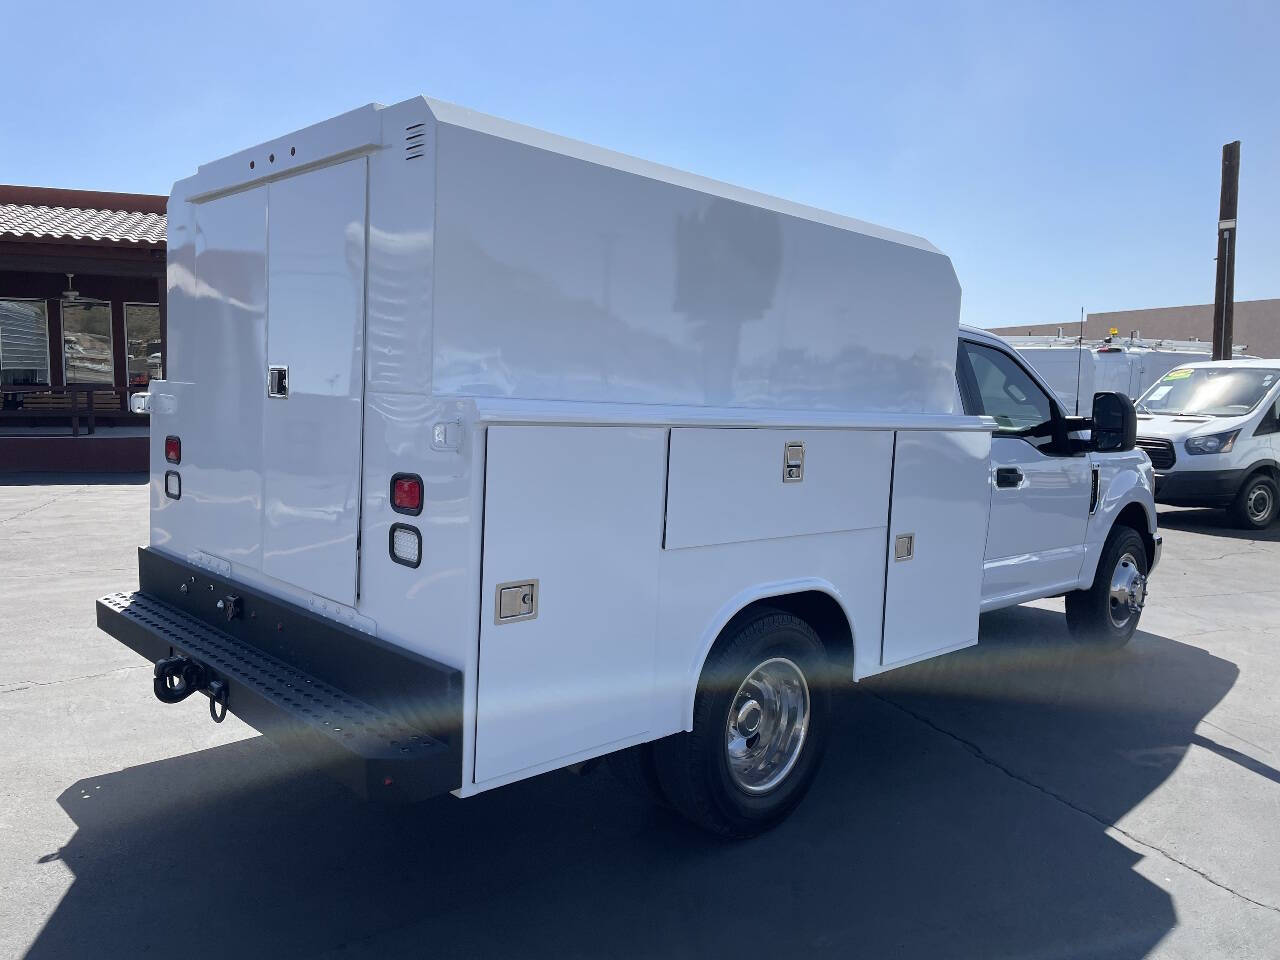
(177, 678)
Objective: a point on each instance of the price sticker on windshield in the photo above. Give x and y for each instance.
(1178, 374)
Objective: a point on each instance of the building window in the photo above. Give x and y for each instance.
(86, 341)
(24, 343)
(142, 342)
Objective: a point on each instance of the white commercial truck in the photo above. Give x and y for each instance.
(483, 452)
(1212, 431)
(1078, 369)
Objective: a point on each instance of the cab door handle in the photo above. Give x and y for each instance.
(1008, 477)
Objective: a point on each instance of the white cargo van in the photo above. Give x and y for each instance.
(1077, 370)
(484, 452)
(1210, 430)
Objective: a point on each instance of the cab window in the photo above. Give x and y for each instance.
(1270, 422)
(1002, 390)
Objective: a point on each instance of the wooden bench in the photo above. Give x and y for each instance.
(61, 403)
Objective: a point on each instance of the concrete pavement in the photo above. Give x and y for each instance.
(1022, 799)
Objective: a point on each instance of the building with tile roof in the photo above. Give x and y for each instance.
(82, 325)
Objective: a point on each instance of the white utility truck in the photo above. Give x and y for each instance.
(1212, 431)
(484, 452)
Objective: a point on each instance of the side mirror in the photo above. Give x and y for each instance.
(1115, 423)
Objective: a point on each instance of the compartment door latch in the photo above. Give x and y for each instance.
(793, 461)
(516, 600)
(278, 382)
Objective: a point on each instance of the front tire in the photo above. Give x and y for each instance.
(1255, 505)
(1106, 615)
(760, 722)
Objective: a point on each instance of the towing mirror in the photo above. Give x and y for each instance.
(1115, 423)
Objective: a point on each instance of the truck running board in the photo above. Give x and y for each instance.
(392, 732)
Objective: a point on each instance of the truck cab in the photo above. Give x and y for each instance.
(1059, 505)
(1210, 430)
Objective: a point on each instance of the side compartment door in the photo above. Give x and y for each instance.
(569, 597)
(937, 526)
(1039, 496)
(313, 387)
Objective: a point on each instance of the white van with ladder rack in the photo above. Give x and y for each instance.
(1211, 431)
(484, 452)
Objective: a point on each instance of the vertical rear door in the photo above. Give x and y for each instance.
(311, 430)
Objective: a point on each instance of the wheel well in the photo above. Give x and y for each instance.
(1135, 517)
(819, 610)
(1270, 469)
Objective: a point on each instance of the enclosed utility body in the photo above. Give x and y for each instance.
(477, 443)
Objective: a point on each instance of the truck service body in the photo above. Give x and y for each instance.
(484, 452)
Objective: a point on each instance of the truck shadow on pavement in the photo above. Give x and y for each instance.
(961, 812)
(33, 479)
(1215, 523)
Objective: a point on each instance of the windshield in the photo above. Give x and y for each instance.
(1209, 392)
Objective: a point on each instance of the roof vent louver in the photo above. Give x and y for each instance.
(415, 141)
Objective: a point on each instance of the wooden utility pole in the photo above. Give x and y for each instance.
(1225, 286)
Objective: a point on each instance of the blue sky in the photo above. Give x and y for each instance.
(1064, 155)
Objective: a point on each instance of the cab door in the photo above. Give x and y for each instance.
(1267, 432)
(1039, 495)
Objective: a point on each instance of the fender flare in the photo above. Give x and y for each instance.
(1126, 487)
(734, 606)
(1271, 466)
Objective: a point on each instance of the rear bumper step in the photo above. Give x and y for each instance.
(384, 720)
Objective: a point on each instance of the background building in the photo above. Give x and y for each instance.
(82, 325)
(1256, 326)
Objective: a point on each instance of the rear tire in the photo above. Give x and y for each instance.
(760, 722)
(635, 768)
(1255, 505)
(1103, 615)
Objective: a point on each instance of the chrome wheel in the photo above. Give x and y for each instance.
(767, 724)
(1128, 591)
(1258, 503)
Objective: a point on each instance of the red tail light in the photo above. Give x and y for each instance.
(173, 449)
(406, 493)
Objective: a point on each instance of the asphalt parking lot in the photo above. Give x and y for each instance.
(1025, 798)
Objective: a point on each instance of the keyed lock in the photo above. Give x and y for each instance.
(793, 461)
